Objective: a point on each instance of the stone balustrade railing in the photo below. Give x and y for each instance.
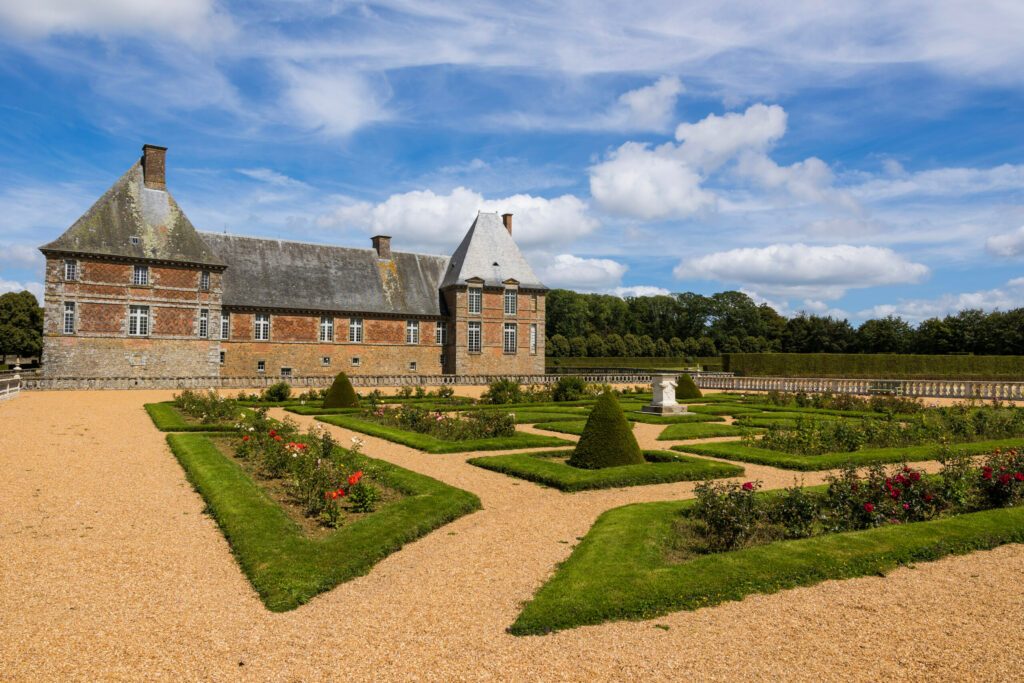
(10, 386)
(926, 388)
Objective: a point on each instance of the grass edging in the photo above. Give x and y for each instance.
(701, 430)
(288, 568)
(167, 418)
(618, 571)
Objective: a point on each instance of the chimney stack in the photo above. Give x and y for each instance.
(382, 245)
(153, 167)
(506, 218)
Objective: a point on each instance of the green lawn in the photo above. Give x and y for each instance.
(620, 571)
(167, 418)
(827, 461)
(662, 467)
(723, 409)
(286, 567)
(430, 444)
(563, 426)
(700, 430)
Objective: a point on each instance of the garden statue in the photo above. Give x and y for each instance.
(663, 401)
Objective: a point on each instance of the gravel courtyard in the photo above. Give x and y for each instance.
(110, 570)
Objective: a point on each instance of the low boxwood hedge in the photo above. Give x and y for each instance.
(701, 430)
(168, 418)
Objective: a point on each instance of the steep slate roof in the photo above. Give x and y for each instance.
(268, 273)
(489, 253)
(130, 209)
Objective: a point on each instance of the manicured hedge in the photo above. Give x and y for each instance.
(875, 366)
(167, 418)
(700, 430)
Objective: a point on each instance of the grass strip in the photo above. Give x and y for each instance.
(653, 419)
(700, 430)
(288, 568)
(723, 409)
(314, 410)
(168, 418)
(431, 444)
(662, 467)
(619, 570)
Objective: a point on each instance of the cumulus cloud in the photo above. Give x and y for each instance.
(185, 19)
(815, 272)
(584, 274)
(333, 101)
(638, 290)
(1011, 295)
(714, 140)
(13, 286)
(1006, 245)
(648, 108)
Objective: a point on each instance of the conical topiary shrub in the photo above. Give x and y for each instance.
(607, 439)
(341, 394)
(686, 388)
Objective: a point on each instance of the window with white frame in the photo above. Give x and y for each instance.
(138, 321)
(355, 330)
(441, 333)
(140, 275)
(356, 362)
(511, 301)
(412, 331)
(261, 326)
(509, 338)
(225, 325)
(261, 366)
(204, 322)
(476, 297)
(473, 337)
(326, 329)
(70, 269)
(204, 280)
(533, 338)
(325, 361)
(69, 317)
(286, 373)
(412, 366)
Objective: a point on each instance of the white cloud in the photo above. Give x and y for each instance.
(12, 286)
(333, 101)
(272, 177)
(815, 272)
(648, 108)
(638, 290)
(583, 274)
(184, 19)
(943, 182)
(1009, 296)
(1007, 245)
(715, 140)
(20, 255)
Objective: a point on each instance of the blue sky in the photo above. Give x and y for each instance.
(855, 160)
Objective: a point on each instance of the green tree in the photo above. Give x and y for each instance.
(21, 325)
(646, 346)
(678, 348)
(615, 346)
(706, 347)
(662, 349)
(632, 344)
(557, 346)
(596, 346)
(577, 346)
(890, 334)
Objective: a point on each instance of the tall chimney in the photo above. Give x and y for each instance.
(382, 245)
(153, 167)
(506, 218)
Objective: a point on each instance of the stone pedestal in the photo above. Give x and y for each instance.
(663, 401)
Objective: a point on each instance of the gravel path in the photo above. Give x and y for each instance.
(110, 570)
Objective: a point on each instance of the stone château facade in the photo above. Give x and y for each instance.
(133, 290)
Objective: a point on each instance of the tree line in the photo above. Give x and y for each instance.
(691, 324)
(21, 325)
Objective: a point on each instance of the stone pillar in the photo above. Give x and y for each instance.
(663, 401)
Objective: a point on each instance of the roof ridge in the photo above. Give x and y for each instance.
(205, 233)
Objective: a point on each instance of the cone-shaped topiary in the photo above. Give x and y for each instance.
(341, 394)
(607, 439)
(686, 388)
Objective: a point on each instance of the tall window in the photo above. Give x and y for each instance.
(69, 317)
(204, 322)
(138, 321)
(509, 338)
(204, 280)
(70, 269)
(511, 301)
(473, 337)
(441, 333)
(475, 299)
(262, 326)
(140, 275)
(533, 338)
(225, 325)
(533, 298)
(355, 330)
(412, 331)
(326, 329)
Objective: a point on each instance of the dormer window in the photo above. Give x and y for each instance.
(140, 275)
(134, 239)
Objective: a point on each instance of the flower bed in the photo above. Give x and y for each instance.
(463, 426)
(168, 418)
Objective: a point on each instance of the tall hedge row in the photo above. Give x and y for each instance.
(875, 366)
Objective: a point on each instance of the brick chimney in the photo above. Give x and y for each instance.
(506, 218)
(382, 245)
(153, 167)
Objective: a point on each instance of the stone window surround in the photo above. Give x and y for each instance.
(140, 275)
(225, 325)
(533, 339)
(326, 329)
(412, 331)
(204, 281)
(474, 336)
(510, 301)
(510, 333)
(441, 333)
(355, 330)
(138, 321)
(261, 366)
(71, 269)
(261, 327)
(204, 323)
(475, 300)
(69, 317)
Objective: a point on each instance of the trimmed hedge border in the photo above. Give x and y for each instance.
(167, 418)
(875, 366)
(619, 571)
(701, 430)
(662, 467)
(288, 568)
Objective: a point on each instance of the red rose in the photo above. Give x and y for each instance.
(986, 472)
(748, 486)
(906, 506)
(869, 507)
(915, 476)
(273, 433)
(245, 438)
(1019, 476)
(1004, 478)
(278, 438)
(928, 497)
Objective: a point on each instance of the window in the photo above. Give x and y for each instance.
(140, 275)
(511, 301)
(412, 331)
(138, 321)
(412, 366)
(356, 362)
(355, 330)
(261, 366)
(441, 333)
(476, 296)
(261, 331)
(222, 358)
(473, 337)
(70, 269)
(225, 326)
(204, 280)
(286, 373)
(509, 338)
(325, 361)
(326, 329)
(204, 322)
(134, 239)
(69, 317)
(533, 339)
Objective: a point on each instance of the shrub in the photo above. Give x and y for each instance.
(208, 408)
(1002, 478)
(445, 392)
(502, 391)
(902, 494)
(470, 424)
(363, 497)
(795, 511)
(958, 479)
(277, 392)
(569, 388)
(341, 394)
(686, 388)
(607, 439)
(729, 512)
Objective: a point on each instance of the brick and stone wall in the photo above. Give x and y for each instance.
(492, 358)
